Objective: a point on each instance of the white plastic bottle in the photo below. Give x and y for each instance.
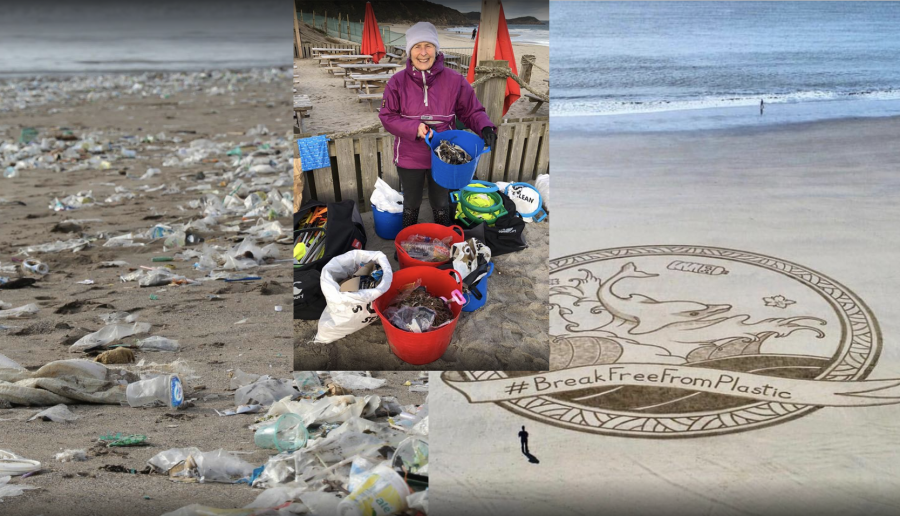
(165, 390)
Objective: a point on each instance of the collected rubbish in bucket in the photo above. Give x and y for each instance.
(454, 176)
(386, 198)
(287, 433)
(427, 249)
(350, 283)
(452, 154)
(414, 309)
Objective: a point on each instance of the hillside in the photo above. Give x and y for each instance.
(386, 11)
(475, 16)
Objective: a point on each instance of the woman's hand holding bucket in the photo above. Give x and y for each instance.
(424, 131)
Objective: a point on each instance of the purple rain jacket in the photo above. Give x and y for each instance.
(409, 101)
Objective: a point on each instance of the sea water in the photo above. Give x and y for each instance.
(44, 37)
(663, 66)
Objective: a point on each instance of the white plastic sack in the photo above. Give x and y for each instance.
(542, 183)
(386, 198)
(348, 380)
(348, 312)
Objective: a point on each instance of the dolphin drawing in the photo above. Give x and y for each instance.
(649, 315)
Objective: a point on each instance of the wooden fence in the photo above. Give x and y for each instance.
(522, 152)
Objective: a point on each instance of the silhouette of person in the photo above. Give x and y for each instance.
(474, 31)
(523, 436)
(762, 106)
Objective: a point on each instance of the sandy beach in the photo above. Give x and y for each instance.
(181, 126)
(822, 195)
(336, 109)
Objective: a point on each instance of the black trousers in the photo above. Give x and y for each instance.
(412, 182)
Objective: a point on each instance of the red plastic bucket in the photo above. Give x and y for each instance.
(431, 230)
(420, 348)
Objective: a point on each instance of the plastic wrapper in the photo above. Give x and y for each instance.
(386, 198)
(264, 391)
(57, 413)
(542, 183)
(240, 379)
(157, 343)
(417, 319)
(306, 380)
(427, 249)
(212, 466)
(351, 381)
(108, 334)
(21, 312)
(411, 456)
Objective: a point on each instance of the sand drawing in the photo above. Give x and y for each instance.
(664, 331)
(691, 341)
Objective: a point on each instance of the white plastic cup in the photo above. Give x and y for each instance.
(383, 493)
(166, 390)
(36, 267)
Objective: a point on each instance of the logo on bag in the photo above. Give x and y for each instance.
(356, 244)
(675, 342)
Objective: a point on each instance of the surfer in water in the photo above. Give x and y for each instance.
(762, 105)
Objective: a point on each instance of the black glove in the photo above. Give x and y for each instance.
(489, 136)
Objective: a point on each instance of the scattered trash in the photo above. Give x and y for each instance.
(85, 282)
(107, 335)
(119, 440)
(71, 456)
(383, 493)
(21, 312)
(352, 381)
(57, 413)
(157, 343)
(12, 465)
(116, 356)
(286, 434)
(278, 308)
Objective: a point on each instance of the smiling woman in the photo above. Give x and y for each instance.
(410, 112)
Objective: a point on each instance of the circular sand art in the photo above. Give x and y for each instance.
(678, 341)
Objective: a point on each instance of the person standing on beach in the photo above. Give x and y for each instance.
(423, 98)
(762, 105)
(474, 32)
(523, 436)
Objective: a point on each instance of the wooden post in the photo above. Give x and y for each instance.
(525, 70)
(492, 92)
(340, 25)
(325, 25)
(298, 184)
(487, 34)
(297, 33)
(348, 28)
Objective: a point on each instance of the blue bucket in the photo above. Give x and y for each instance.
(454, 177)
(387, 224)
(473, 303)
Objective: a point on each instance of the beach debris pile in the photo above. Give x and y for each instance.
(452, 154)
(18, 93)
(336, 453)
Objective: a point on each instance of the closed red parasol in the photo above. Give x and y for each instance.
(371, 39)
(503, 52)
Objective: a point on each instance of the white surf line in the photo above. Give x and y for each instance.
(597, 395)
(751, 371)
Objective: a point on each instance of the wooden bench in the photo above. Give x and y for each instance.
(369, 97)
(534, 98)
(391, 57)
(302, 105)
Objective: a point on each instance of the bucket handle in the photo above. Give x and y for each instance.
(457, 276)
(458, 230)
(428, 141)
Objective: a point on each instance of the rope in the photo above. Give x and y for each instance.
(490, 73)
(530, 59)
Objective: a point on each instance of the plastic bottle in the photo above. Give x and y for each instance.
(287, 433)
(165, 389)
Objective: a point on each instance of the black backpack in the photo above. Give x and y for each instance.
(507, 235)
(344, 231)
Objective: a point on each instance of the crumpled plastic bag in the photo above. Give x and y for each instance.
(464, 255)
(386, 198)
(542, 183)
(20, 312)
(66, 382)
(212, 466)
(8, 490)
(108, 334)
(57, 413)
(348, 312)
(265, 391)
(353, 381)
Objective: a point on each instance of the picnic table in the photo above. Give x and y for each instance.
(343, 59)
(335, 51)
(372, 83)
(302, 105)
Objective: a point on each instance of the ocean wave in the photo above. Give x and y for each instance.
(586, 106)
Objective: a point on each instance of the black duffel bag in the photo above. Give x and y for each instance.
(507, 235)
(343, 231)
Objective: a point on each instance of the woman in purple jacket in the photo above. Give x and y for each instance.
(422, 98)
